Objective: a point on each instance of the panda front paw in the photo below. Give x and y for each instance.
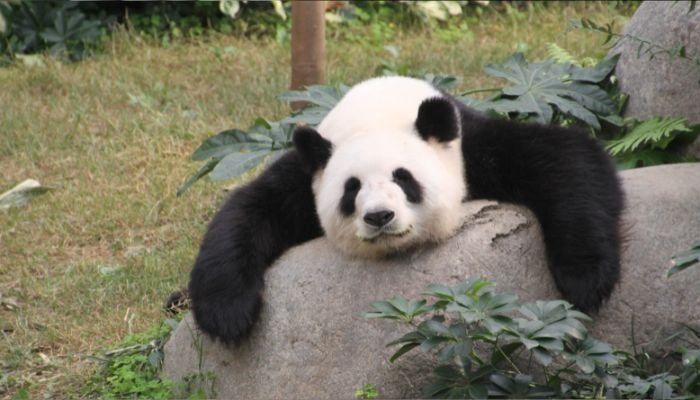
(228, 317)
(586, 295)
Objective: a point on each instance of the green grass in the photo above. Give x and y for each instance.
(93, 260)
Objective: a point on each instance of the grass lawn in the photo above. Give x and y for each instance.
(93, 260)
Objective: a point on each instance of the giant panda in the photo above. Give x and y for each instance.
(388, 169)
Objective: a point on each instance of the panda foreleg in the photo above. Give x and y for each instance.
(571, 185)
(253, 228)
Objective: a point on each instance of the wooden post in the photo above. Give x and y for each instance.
(308, 45)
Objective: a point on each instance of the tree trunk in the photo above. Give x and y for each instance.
(308, 45)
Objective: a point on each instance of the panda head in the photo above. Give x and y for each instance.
(389, 189)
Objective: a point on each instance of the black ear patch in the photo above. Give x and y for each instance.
(313, 148)
(437, 118)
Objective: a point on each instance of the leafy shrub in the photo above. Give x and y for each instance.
(645, 143)
(561, 93)
(367, 391)
(61, 27)
(549, 92)
(131, 371)
(485, 343)
(386, 18)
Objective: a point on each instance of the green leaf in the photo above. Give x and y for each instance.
(508, 349)
(403, 350)
(645, 158)
(589, 96)
(560, 55)
(538, 87)
(585, 364)
(542, 356)
(206, 168)
(474, 286)
(588, 353)
(662, 391)
(478, 391)
(236, 164)
(416, 307)
(684, 260)
(658, 131)
(572, 108)
(411, 337)
(447, 353)
(432, 342)
(598, 73)
(436, 327)
(319, 95)
(400, 304)
(384, 309)
(436, 389)
(463, 348)
(439, 291)
(224, 143)
(447, 372)
(443, 82)
(322, 99)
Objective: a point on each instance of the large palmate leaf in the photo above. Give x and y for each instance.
(321, 99)
(223, 143)
(234, 151)
(546, 87)
(236, 164)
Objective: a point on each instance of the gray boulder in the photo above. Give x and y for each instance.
(662, 86)
(313, 343)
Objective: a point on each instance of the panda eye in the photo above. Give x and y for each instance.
(347, 202)
(411, 188)
(352, 184)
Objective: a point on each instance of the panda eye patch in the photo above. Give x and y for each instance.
(347, 202)
(409, 185)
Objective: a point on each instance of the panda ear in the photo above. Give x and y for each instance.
(313, 148)
(439, 119)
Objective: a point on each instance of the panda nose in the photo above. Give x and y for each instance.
(379, 218)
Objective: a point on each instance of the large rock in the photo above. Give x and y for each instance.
(313, 343)
(662, 86)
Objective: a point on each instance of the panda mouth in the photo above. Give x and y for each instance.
(386, 235)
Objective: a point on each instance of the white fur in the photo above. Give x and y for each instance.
(373, 134)
(375, 105)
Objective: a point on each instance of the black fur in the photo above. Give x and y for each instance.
(568, 181)
(314, 149)
(562, 174)
(347, 202)
(411, 188)
(255, 226)
(437, 118)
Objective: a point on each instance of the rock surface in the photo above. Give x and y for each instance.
(313, 343)
(662, 86)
